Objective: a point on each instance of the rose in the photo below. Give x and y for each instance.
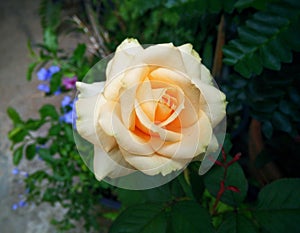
(155, 112)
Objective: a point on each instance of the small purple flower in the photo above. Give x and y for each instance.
(46, 74)
(43, 87)
(15, 171)
(43, 74)
(22, 203)
(67, 117)
(53, 69)
(14, 206)
(69, 83)
(66, 101)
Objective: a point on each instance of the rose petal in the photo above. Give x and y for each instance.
(193, 66)
(87, 109)
(146, 100)
(112, 88)
(161, 55)
(113, 166)
(128, 94)
(123, 57)
(155, 164)
(194, 140)
(110, 121)
(164, 134)
(87, 90)
(189, 89)
(212, 102)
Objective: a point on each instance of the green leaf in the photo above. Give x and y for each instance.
(163, 193)
(278, 208)
(269, 59)
(30, 69)
(189, 216)
(267, 39)
(30, 151)
(294, 95)
(267, 129)
(227, 145)
(50, 14)
(17, 134)
(14, 115)
(17, 155)
(196, 181)
(182, 216)
(282, 122)
(237, 223)
(50, 40)
(55, 81)
(78, 53)
(48, 110)
(69, 133)
(33, 124)
(54, 130)
(288, 108)
(141, 219)
(235, 177)
(46, 156)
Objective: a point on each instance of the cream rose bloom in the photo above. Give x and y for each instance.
(155, 112)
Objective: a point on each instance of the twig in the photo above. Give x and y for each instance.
(217, 66)
(91, 15)
(223, 188)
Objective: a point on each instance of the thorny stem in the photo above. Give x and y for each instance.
(223, 188)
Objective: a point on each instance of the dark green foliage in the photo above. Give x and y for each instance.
(178, 216)
(236, 223)
(266, 40)
(279, 207)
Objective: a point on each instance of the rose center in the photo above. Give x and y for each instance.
(165, 106)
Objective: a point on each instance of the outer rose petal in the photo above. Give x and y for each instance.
(88, 90)
(213, 102)
(113, 165)
(192, 61)
(155, 164)
(87, 108)
(161, 55)
(123, 57)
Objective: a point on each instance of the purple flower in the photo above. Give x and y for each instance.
(15, 171)
(53, 69)
(14, 206)
(43, 74)
(69, 83)
(66, 101)
(43, 87)
(22, 203)
(46, 74)
(67, 117)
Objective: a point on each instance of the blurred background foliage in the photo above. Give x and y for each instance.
(252, 48)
